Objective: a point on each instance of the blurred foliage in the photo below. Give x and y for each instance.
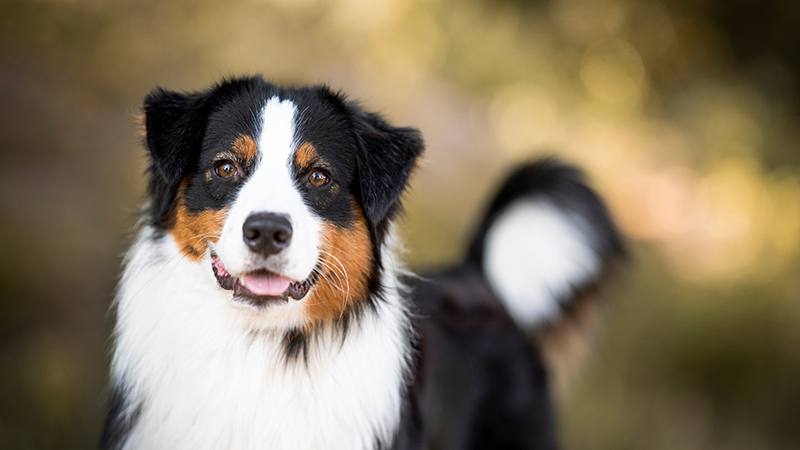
(684, 114)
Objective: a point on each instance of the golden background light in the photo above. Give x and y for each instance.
(694, 147)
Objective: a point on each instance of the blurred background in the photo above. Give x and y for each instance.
(684, 114)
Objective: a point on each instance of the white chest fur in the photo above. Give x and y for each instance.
(206, 381)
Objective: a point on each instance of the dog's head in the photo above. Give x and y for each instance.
(285, 195)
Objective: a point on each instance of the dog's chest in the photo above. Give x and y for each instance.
(203, 383)
(251, 405)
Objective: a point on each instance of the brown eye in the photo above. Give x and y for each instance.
(318, 178)
(225, 169)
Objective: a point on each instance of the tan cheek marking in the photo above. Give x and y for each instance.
(245, 148)
(344, 250)
(194, 231)
(305, 155)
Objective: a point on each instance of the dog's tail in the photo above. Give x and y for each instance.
(546, 245)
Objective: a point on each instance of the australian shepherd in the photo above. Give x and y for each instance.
(262, 304)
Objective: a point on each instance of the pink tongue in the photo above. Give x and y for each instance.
(263, 284)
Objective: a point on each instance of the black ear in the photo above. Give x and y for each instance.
(386, 157)
(174, 123)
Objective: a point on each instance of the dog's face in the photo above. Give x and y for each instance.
(283, 194)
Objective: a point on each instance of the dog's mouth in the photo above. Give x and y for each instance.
(260, 287)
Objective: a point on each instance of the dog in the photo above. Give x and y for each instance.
(263, 305)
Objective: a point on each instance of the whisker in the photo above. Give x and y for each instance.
(337, 271)
(337, 283)
(341, 266)
(346, 279)
(199, 236)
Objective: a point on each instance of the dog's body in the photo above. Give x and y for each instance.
(262, 305)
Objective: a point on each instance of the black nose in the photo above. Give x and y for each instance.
(267, 233)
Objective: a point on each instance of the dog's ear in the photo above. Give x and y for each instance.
(173, 130)
(173, 122)
(387, 155)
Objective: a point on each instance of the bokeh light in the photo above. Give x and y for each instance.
(684, 115)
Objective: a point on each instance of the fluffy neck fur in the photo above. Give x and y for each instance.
(196, 376)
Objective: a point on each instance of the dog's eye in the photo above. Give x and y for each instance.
(225, 169)
(318, 178)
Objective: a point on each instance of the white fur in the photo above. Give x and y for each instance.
(210, 373)
(535, 254)
(271, 189)
(206, 382)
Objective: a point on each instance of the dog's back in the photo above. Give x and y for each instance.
(497, 328)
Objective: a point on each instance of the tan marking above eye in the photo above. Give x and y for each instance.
(318, 178)
(306, 155)
(245, 149)
(226, 169)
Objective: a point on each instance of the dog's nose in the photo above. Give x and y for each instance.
(267, 233)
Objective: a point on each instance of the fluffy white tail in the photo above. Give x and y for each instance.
(545, 246)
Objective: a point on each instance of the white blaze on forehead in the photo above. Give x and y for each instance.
(276, 143)
(271, 189)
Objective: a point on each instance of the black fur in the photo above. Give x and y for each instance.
(477, 382)
(386, 157)
(367, 158)
(562, 184)
(295, 347)
(480, 383)
(120, 418)
(175, 125)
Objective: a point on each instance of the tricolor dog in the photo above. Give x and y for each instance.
(262, 304)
